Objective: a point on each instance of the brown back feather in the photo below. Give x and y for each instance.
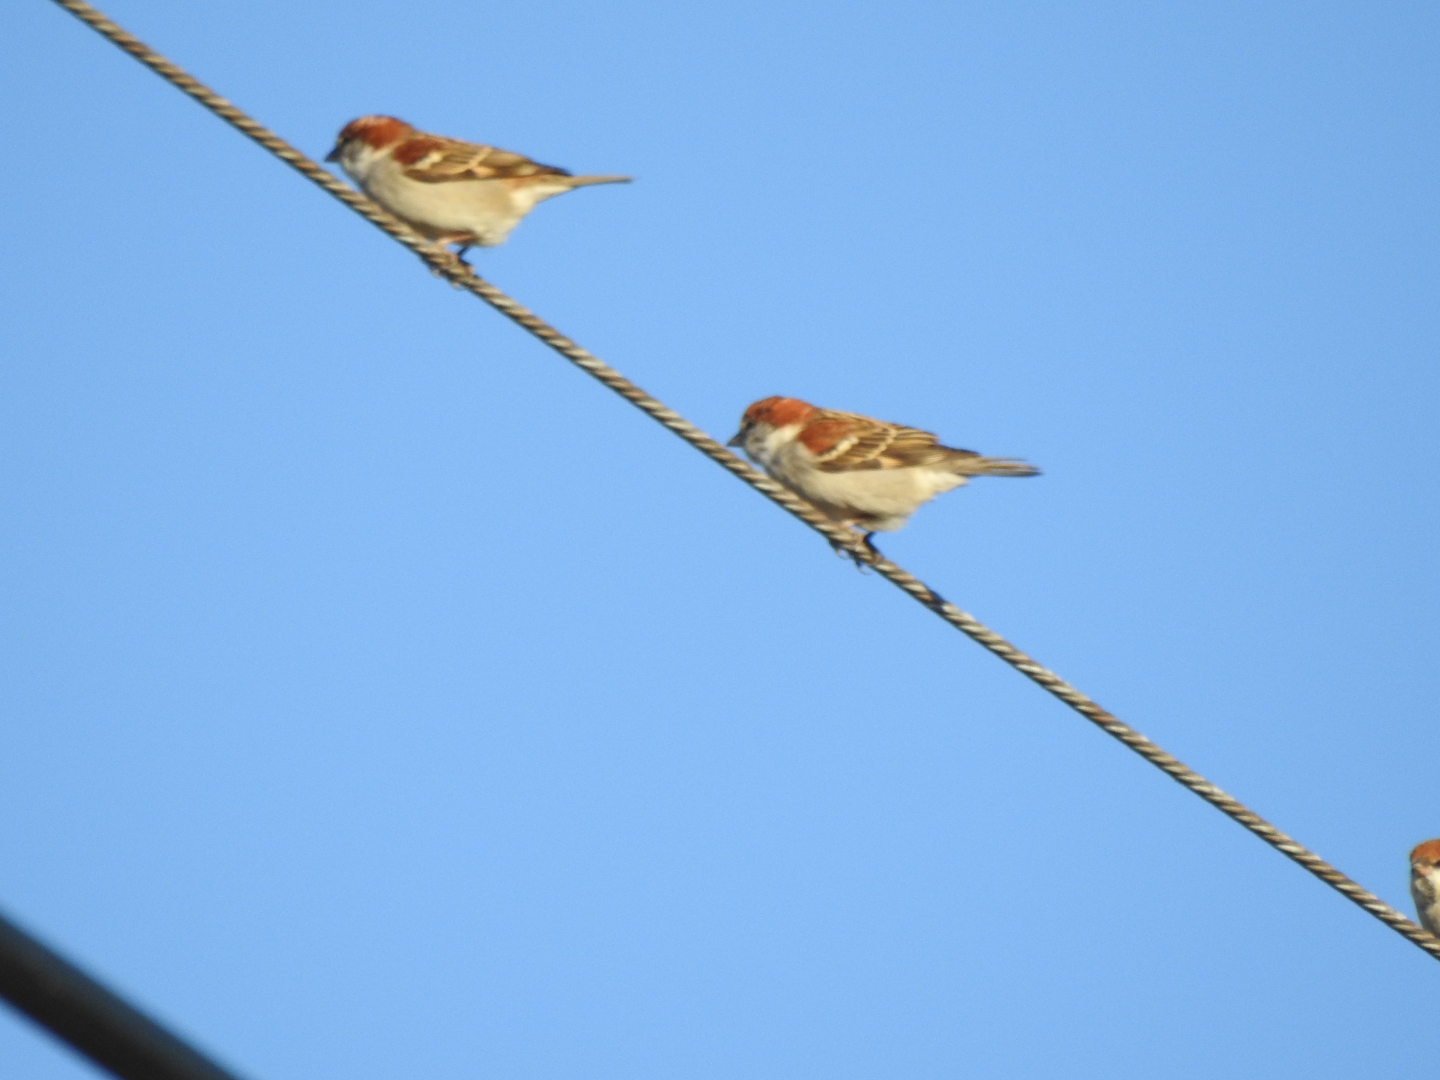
(436, 161)
(873, 444)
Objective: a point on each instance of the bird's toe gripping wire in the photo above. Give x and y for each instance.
(863, 557)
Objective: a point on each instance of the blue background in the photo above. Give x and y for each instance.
(387, 699)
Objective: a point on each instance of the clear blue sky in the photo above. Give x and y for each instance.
(386, 699)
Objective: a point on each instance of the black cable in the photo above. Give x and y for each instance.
(95, 1021)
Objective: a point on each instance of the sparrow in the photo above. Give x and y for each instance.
(865, 474)
(1425, 884)
(449, 191)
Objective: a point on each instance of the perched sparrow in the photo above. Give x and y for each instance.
(863, 473)
(449, 191)
(1425, 884)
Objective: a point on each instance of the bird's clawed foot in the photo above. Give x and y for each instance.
(458, 257)
(862, 558)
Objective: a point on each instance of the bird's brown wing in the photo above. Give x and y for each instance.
(433, 160)
(864, 443)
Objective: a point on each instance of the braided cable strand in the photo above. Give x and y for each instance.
(445, 264)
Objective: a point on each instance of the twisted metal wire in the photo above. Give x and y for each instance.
(445, 264)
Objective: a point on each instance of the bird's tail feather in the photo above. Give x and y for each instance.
(583, 181)
(995, 466)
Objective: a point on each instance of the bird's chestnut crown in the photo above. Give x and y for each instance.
(778, 412)
(376, 131)
(1428, 852)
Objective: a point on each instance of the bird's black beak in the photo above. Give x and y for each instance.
(334, 155)
(739, 439)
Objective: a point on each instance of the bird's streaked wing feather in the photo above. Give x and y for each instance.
(864, 443)
(433, 160)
